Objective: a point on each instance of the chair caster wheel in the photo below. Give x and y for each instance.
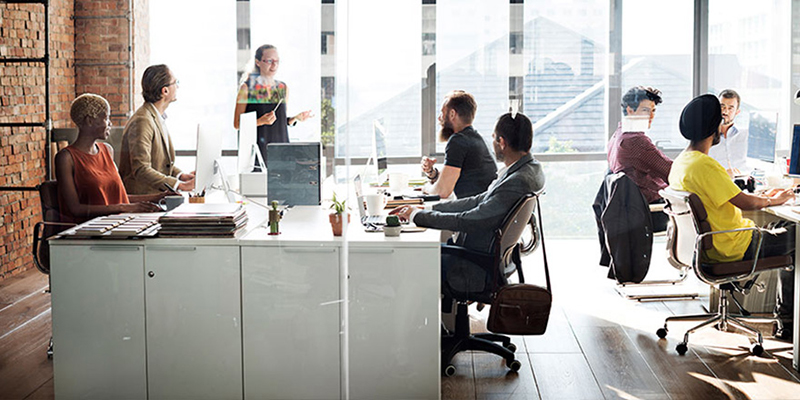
(681, 348)
(514, 365)
(756, 349)
(511, 347)
(449, 370)
(661, 332)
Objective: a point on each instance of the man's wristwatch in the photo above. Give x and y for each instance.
(434, 175)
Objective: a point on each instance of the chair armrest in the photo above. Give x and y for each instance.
(711, 281)
(484, 260)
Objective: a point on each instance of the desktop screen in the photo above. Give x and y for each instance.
(379, 132)
(794, 161)
(209, 149)
(762, 135)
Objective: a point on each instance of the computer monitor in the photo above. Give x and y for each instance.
(762, 134)
(249, 153)
(794, 156)
(377, 161)
(209, 149)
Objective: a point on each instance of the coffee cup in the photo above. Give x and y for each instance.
(374, 203)
(170, 202)
(398, 182)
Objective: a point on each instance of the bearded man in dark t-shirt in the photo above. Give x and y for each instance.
(469, 167)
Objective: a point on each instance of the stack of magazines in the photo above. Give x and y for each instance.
(203, 220)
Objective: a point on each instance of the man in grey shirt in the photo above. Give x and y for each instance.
(475, 218)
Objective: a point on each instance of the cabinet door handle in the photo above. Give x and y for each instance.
(114, 248)
(372, 251)
(151, 274)
(309, 249)
(171, 248)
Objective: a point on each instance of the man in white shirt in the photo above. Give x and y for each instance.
(731, 152)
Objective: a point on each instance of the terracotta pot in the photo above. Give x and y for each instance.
(336, 223)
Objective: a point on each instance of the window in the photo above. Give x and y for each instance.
(378, 76)
(564, 75)
(202, 55)
(747, 53)
(472, 55)
(660, 57)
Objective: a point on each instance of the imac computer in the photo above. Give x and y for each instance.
(794, 156)
(762, 134)
(377, 161)
(209, 150)
(249, 155)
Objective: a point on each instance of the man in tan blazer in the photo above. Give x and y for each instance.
(147, 159)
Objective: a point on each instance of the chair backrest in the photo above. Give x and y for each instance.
(48, 196)
(689, 220)
(510, 231)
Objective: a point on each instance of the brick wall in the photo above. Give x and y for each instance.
(89, 53)
(22, 91)
(102, 61)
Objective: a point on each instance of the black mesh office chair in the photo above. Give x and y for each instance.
(50, 225)
(489, 272)
(690, 234)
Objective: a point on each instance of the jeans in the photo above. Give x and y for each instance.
(778, 245)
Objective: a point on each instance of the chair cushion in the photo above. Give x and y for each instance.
(734, 268)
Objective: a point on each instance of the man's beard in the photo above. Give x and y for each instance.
(446, 131)
(498, 152)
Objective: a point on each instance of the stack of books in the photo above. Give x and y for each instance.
(118, 226)
(203, 220)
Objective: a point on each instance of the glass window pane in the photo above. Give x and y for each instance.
(293, 27)
(566, 46)
(472, 48)
(747, 52)
(660, 57)
(378, 76)
(202, 55)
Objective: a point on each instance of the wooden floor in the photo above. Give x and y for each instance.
(597, 346)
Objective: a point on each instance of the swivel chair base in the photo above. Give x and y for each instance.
(720, 320)
(461, 340)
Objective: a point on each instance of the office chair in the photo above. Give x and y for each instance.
(495, 268)
(690, 236)
(50, 225)
(626, 231)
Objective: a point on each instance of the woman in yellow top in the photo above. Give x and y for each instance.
(696, 172)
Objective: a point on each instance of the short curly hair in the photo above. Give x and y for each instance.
(88, 105)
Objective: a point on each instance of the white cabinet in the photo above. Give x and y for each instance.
(194, 323)
(394, 322)
(98, 321)
(290, 308)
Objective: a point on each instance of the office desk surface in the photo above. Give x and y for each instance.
(310, 224)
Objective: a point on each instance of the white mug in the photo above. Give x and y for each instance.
(375, 203)
(398, 182)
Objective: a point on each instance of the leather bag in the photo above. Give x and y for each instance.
(521, 308)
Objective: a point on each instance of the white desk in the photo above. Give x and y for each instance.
(255, 316)
(786, 213)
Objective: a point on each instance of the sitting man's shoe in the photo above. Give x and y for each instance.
(784, 332)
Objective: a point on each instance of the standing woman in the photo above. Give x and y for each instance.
(262, 93)
(88, 182)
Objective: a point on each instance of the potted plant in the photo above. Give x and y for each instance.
(392, 227)
(336, 217)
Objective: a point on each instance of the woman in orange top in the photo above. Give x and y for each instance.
(88, 182)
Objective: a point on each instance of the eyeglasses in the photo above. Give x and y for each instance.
(176, 83)
(271, 61)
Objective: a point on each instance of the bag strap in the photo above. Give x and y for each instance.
(541, 238)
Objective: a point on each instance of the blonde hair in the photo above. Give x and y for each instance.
(88, 105)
